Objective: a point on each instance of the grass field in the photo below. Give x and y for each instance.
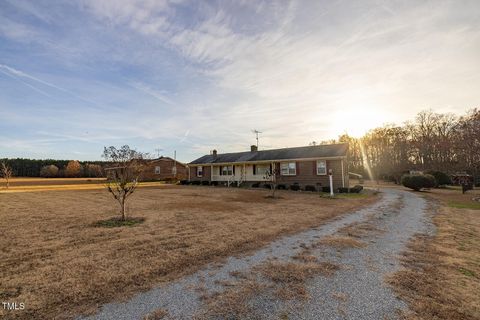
(441, 279)
(56, 260)
(63, 184)
(27, 181)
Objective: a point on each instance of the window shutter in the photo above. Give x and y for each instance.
(297, 164)
(233, 169)
(314, 168)
(220, 170)
(254, 169)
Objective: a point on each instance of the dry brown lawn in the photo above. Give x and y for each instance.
(441, 279)
(54, 260)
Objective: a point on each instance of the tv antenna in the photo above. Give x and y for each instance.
(158, 152)
(256, 135)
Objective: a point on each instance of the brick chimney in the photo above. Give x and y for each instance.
(214, 153)
(253, 148)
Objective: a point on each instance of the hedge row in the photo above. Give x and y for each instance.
(293, 187)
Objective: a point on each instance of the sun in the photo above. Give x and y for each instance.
(356, 121)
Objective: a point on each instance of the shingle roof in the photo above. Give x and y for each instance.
(321, 151)
(162, 158)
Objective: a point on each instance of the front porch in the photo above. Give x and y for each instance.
(239, 173)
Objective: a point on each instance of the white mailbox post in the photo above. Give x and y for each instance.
(330, 176)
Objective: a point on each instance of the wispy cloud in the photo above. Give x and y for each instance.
(152, 92)
(12, 75)
(185, 136)
(20, 74)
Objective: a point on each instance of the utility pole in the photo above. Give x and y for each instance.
(174, 169)
(256, 135)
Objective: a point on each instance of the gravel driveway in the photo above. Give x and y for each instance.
(355, 291)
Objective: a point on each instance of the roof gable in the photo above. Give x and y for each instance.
(162, 158)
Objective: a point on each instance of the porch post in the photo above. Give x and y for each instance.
(211, 173)
(272, 175)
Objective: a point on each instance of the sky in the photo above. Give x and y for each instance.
(192, 76)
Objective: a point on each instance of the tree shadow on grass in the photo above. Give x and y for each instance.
(272, 197)
(118, 222)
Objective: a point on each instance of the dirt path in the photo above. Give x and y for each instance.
(336, 271)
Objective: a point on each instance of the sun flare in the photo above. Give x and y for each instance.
(356, 121)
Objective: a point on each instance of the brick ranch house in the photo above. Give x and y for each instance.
(305, 166)
(163, 168)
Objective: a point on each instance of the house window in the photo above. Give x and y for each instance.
(321, 167)
(260, 170)
(227, 170)
(288, 168)
(157, 170)
(199, 171)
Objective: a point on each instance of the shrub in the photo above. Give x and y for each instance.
(281, 187)
(430, 182)
(183, 182)
(214, 183)
(442, 178)
(310, 188)
(205, 183)
(326, 189)
(295, 187)
(356, 189)
(417, 182)
(196, 183)
(343, 190)
(256, 185)
(267, 186)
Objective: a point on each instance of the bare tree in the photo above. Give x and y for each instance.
(49, 171)
(124, 174)
(7, 173)
(93, 170)
(272, 176)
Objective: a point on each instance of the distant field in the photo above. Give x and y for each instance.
(64, 184)
(17, 182)
(55, 260)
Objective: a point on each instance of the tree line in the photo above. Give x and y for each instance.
(432, 141)
(50, 168)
